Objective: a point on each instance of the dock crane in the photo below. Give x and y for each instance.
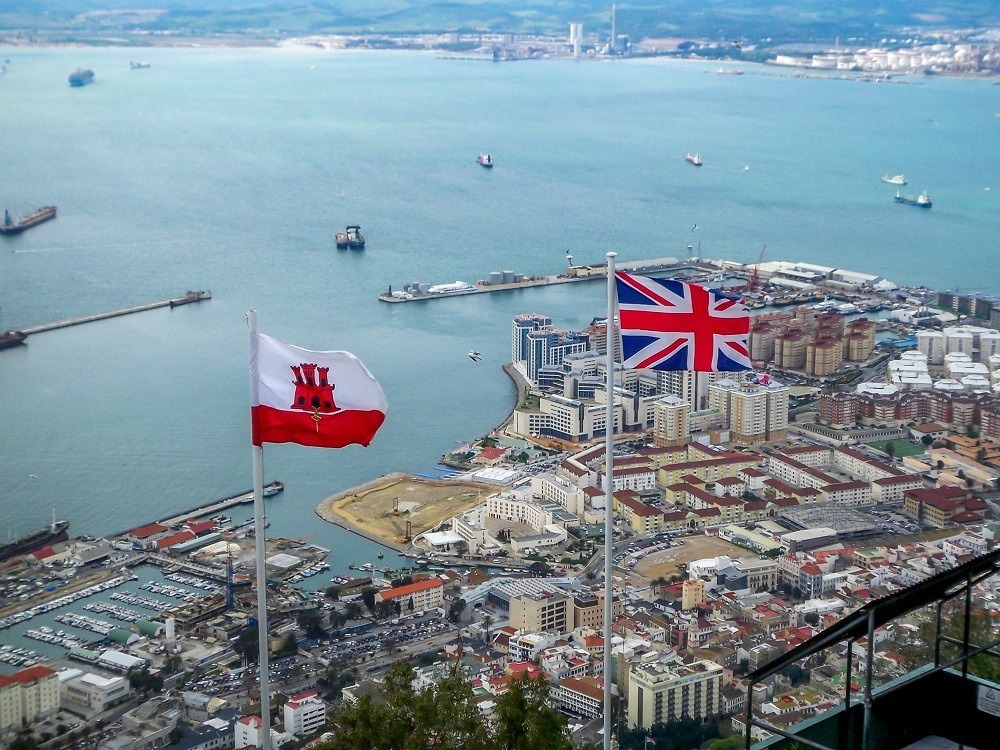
(752, 284)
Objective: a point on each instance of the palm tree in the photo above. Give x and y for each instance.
(488, 622)
(658, 584)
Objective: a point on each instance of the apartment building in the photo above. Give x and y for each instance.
(661, 692)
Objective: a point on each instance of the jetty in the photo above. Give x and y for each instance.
(187, 298)
(506, 281)
(244, 498)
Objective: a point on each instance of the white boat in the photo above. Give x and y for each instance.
(895, 180)
(696, 159)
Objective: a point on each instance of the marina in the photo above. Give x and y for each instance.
(65, 601)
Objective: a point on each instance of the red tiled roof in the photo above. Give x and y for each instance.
(148, 530)
(177, 538)
(490, 453)
(200, 527)
(410, 589)
(32, 674)
(43, 553)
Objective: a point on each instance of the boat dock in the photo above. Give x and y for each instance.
(505, 281)
(227, 502)
(173, 302)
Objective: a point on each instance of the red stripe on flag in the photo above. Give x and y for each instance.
(272, 425)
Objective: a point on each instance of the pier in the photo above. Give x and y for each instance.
(244, 498)
(417, 292)
(187, 298)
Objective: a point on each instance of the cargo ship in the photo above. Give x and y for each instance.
(355, 240)
(921, 201)
(12, 338)
(485, 160)
(28, 221)
(342, 241)
(56, 532)
(696, 159)
(136, 65)
(898, 179)
(81, 77)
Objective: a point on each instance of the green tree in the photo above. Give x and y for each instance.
(247, 645)
(526, 721)
(176, 735)
(812, 618)
(456, 609)
(368, 597)
(310, 622)
(733, 742)
(333, 594)
(24, 741)
(352, 611)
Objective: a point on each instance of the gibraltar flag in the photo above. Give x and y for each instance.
(321, 399)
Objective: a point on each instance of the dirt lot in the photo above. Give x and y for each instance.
(694, 548)
(423, 502)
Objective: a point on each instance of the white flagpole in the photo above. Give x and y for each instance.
(609, 432)
(259, 541)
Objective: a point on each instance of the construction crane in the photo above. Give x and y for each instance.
(752, 284)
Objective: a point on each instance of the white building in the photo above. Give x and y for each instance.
(90, 691)
(247, 733)
(304, 713)
(583, 696)
(932, 345)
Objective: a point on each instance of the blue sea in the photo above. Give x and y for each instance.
(231, 170)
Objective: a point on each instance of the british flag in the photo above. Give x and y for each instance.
(673, 325)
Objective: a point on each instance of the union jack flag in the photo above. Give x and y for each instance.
(673, 325)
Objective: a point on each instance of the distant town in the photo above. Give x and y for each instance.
(752, 511)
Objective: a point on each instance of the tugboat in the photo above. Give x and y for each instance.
(342, 241)
(696, 159)
(896, 180)
(921, 201)
(485, 160)
(355, 240)
(81, 77)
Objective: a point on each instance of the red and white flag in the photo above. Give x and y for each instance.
(320, 399)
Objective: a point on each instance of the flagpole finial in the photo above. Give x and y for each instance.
(611, 254)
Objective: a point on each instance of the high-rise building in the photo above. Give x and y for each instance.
(304, 713)
(659, 692)
(542, 612)
(790, 350)
(522, 326)
(824, 356)
(692, 594)
(755, 413)
(670, 421)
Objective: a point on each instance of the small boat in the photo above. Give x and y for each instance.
(342, 243)
(380, 555)
(696, 159)
(136, 65)
(485, 160)
(746, 168)
(895, 180)
(355, 240)
(724, 72)
(81, 77)
(921, 201)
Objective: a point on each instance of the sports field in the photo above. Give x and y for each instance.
(901, 447)
(674, 560)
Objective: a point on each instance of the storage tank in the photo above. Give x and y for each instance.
(496, 277)
(508, 277)
(518, 278)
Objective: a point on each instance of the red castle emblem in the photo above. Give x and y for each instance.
(313, 391)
